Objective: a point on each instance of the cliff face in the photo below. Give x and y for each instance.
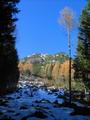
(64, 69)
(54, 71)
(59, 70)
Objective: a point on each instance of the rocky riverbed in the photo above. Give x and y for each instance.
(37, 102)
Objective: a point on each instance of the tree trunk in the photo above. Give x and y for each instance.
(69, 47)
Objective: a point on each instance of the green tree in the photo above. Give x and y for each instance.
(82, 60)
(36, 69)
(9, 72)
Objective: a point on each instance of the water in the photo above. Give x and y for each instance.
(33, 103)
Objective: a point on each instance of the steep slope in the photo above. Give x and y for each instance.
(49, 66)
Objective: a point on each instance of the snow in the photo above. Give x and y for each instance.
(36, 103)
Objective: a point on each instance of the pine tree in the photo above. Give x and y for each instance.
(82, 60)
(9, 72)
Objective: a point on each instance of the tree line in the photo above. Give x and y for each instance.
(82, 59)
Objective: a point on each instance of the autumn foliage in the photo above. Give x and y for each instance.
(51, 71)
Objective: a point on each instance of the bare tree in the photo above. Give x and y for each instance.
(67, 20)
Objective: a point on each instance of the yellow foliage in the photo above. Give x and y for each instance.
(55, 71)
(24, 66)
(48, 70)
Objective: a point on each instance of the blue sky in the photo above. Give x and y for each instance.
(38, 30)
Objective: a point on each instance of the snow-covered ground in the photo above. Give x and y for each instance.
(36, 103)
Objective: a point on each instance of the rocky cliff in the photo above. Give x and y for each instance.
(52, 67)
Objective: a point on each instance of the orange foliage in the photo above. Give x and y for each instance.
(24, 66)
(56, 70)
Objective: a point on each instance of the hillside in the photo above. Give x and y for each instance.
(45, 65)
(52, 69)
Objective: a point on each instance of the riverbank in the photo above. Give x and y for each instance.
(31, 102)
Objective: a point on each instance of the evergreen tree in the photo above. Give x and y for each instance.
(9, 72)
(82, 60)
